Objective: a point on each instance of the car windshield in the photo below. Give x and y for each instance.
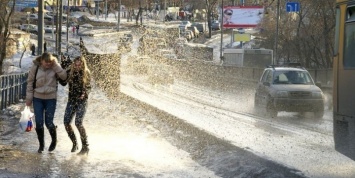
(292, 77)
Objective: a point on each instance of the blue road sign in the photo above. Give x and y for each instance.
(293, 7)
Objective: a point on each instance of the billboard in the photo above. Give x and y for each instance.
(242, 37)
(242, 16)
(26, 3)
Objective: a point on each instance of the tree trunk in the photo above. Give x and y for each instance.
(2, 58)
(21, 57)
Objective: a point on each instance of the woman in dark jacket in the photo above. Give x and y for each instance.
(79, 89)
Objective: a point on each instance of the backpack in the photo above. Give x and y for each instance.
(35, 79)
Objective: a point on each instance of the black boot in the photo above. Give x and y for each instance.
(85, 147)
(72, 137)
(84, 140)
(40, 135)
(53, 133)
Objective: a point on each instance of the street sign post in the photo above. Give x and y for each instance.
(293, 7)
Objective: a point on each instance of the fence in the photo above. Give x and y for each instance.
(13, 88)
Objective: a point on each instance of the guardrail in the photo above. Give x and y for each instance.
(13, 88)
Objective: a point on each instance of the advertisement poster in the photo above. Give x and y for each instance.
(242, 37)
(242, 16)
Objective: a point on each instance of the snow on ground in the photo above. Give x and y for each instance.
(118, 145)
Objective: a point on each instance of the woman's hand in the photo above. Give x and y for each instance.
(82, 96)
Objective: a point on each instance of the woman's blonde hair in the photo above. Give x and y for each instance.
(84, 68)
(48, 57)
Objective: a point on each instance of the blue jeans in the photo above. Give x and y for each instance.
(79, 109)
(44, 112)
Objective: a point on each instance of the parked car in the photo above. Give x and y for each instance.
(78, 9)
(33, 16)
(195, 31)
(184, 24)
(200, 27)
(191, 33)
(64, 18)
(50, 13)
(47, 17)
(290, 89)
(29, 28)
(215, 25)
(49, 29)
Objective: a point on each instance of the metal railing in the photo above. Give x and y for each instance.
(13, 88)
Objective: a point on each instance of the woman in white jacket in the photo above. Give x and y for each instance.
(42, 93)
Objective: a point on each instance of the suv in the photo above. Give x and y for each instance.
(199, 27)
(288, 88)
(215, 25)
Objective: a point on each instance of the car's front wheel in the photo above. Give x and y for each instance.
(270, 109)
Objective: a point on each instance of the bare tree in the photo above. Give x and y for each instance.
(210, 5)
(6, 10)
(305, 36)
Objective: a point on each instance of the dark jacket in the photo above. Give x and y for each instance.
(76, 87)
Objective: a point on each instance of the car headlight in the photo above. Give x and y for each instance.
(282, 94)
(317, 94)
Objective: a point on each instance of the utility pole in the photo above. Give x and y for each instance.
(40, 27)
(119, 16)
(165, 9)
(221, 50)
(141, 12)
(105, 9)
(57, 26)
(277, 32)
(68, 27)
(59, 29)
(52, 6)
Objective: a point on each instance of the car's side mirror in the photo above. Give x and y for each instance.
(319, 84)
(266, 83)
